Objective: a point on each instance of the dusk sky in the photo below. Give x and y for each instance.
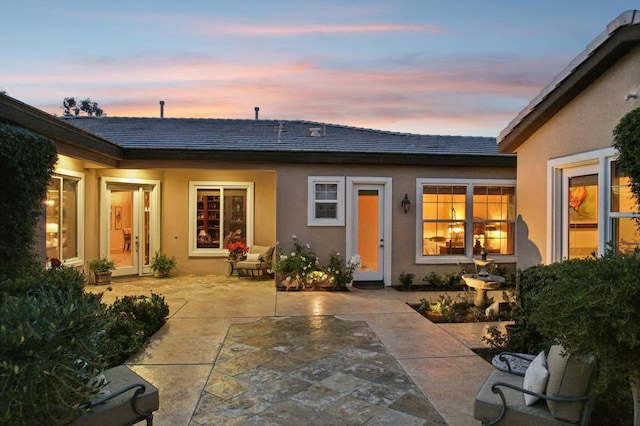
(430, 67)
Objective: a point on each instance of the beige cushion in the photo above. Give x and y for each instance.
(253, 257)
(535, 378)
(568, 376)
(262, 261)
(264, 252)
(487, 404)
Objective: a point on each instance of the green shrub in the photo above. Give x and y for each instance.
(406, 279)
(592, 306)
(27, 164)
(135, 319)
(51, 346)
(449, 280)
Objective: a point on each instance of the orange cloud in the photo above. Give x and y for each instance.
(475, 99)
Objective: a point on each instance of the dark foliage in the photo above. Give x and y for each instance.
(26, 165)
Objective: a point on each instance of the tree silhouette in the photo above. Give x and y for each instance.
(73, 107)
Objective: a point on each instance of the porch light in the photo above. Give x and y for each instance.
(405, 203)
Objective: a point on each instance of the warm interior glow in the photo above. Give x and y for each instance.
(368, 231)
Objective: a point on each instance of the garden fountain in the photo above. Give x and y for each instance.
(483, 279)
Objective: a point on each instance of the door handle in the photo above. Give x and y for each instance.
(381, 242)
(136, 243)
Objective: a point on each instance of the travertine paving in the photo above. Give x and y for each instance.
(238, 352)
(315, 370)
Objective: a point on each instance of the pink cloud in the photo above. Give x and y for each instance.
(411, 98)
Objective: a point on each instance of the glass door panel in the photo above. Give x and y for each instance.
(369, 232)
(582, 207)
(122, 242)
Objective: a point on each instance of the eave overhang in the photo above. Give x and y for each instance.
(622, 35)
(313, 157)
(69, 140)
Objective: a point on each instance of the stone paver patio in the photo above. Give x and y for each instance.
(239, 352)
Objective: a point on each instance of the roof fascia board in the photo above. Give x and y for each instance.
(69, 139)
(500, 160)
(622, 35)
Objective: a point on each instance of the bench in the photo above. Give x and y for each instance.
(131, 399)
(564, 397)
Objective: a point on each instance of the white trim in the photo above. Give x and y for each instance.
(469, 184)
(77, 261)
(311, 201)
(387, 233)
(154, 214)
(194, 186)
(557, 169)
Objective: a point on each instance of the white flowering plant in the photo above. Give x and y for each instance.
(297, 264)
(342, 272)
(302, 264)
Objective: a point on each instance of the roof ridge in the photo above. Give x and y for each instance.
(285, 121)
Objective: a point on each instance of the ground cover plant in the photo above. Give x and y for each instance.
(460, 308)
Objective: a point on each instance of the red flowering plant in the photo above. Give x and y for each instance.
(237, 249)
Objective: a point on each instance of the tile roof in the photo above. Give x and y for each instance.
(286, 136)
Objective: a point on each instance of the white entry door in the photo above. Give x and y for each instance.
(368, 230)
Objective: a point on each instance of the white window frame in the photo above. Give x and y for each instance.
(194, 186)
(556, 167)
(468, 223)
(312, 181)
(79, 177)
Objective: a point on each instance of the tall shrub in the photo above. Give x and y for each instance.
(593, 306)
(26, 165)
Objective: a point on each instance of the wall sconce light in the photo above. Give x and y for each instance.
(405, 203)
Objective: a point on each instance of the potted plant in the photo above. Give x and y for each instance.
(237, 250)
(294, 268)
(162, 264)
(102, 269)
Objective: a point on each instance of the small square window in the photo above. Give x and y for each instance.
(326, 201)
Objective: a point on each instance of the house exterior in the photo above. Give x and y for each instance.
(572, 200)
(126, 187)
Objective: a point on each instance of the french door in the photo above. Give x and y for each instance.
(130, 224)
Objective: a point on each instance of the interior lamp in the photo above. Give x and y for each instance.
(51, 228)
(405, 203)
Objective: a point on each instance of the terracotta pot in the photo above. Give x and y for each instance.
(103, 277)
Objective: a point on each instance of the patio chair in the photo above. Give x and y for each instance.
(555, 395)
(257, 263)
(130, 399)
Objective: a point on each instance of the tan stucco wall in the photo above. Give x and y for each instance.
(585, 124)
(175, 210)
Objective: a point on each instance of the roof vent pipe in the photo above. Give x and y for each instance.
(161, 109)
(257, 109)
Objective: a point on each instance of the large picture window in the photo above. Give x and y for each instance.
(220, 213)
(594, 200)
(63, 218)
(461, 218)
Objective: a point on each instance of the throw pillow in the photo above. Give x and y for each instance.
(535, 378)
(253, 257)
